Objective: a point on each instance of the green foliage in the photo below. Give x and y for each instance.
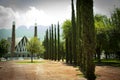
(102, 27)
(108, 31)
(28, 62)
(67, 25)
(115, 18)
(101, 23)
(67, 35)
(74, 34)
(109, 62)
(4, 45)
(35, 46)
(58, 35)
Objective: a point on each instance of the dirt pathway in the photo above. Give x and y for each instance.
(108, 73)
(50, 70)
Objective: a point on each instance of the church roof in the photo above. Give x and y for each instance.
(21, 46)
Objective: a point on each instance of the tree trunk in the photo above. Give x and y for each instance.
(98, 50)
(31, 57)
(67, 55)
(55, 45)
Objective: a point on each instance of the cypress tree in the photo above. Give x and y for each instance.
(70, 48)
(88, 38)
(58, 42)
(48, 43)
(67, 52)
(52, 42)
(73, 34)
(79, 33)
(47, 47)
(55, 44)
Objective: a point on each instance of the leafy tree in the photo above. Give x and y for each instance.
(101, 26)
(67, 26)
(4, 45)
(115, 32)
(34, 46)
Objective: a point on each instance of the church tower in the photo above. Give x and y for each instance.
(35, 30)
(13, 38)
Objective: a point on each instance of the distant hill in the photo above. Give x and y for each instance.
(24, 31)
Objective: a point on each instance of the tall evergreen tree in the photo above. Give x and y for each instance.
(88, 38)
(73, 34)
(70, 58)
(79, 33)
(52, 43)
(48, 43)
(58, 42)
(67, 54)
(55, 43)
(47, 47)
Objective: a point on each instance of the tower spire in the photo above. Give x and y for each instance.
(35, 31)
(13, 38)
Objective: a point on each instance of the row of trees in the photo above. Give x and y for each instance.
(79, 36)
(80, 47)
(85, 37)
(52, 43)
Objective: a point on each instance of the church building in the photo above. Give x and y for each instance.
(19, 49)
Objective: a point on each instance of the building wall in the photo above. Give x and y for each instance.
(20, 49)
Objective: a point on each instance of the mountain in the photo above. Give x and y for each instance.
(24, 31)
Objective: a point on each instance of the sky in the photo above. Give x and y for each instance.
(44, 12)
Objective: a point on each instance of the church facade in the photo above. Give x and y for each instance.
(19, 49)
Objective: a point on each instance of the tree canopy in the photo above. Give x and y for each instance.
(34, 46)
(4, 45)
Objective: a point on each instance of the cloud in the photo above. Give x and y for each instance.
(23, 5)
(105, 7)
(31, 16)
(6, 17)
(28, 18)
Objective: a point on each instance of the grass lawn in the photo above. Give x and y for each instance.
(109, 62)
(29, 62)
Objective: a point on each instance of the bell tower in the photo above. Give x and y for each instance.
(13, 38)
(35, 30)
